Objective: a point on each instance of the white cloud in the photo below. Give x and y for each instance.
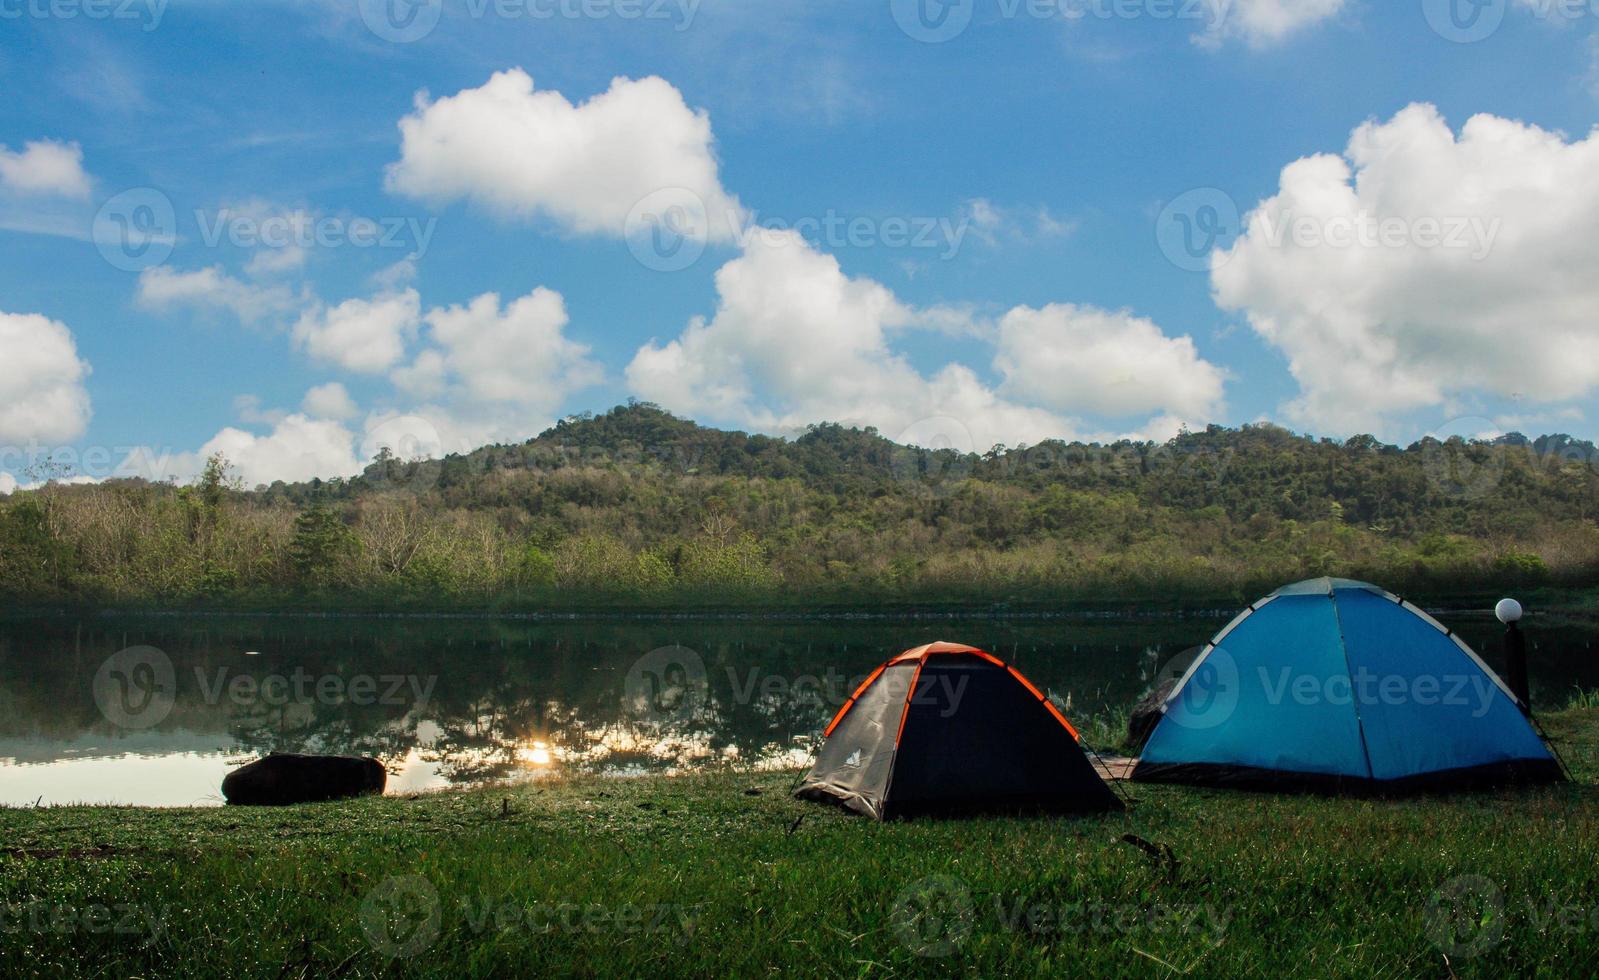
(489, 374)
(42, 397)
(518, 355)
(425, 377)
(991, 222)
(211, 288)
(392, 278)
(794, 341)
(1079, 359)
(296, 449)
(9, 483)
(45, 167)
(791, 330)
(1486, 285)
(276, 261)
(330, 401)
(281, 237)
(1261, 23)
(363, 335)
(434, 431)
(521, 152)
(249, 410)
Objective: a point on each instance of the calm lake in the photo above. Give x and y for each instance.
(156, 710)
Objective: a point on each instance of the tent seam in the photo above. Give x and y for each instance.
(1349, 671)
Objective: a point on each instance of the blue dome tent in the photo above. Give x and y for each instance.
(1334, 685)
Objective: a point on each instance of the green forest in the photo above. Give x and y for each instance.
(636, 508)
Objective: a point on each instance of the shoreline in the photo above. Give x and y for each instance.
(1540, 602)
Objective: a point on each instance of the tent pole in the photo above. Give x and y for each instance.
(1516, 666)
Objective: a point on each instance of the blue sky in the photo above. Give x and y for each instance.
(1047, 159)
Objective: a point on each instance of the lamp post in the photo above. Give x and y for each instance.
(1509, 612)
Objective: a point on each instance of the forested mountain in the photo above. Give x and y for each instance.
(636, 505)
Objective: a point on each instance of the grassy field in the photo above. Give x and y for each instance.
(724, 874)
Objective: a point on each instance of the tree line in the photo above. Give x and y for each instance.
(638, 507)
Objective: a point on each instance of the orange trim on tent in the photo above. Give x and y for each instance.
(1026, 683)
(1062, 719)
(905, 710)
(1046, 702)
(920, 655)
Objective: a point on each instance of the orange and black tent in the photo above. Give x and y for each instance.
(948, 729)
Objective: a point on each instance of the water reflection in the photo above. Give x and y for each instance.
(456, 702)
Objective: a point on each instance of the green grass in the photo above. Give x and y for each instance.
(703, 876)
(1581, 699)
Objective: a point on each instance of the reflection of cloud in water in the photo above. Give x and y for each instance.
(176, 779)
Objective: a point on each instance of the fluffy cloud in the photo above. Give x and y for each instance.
(521, 152)
(1265, 22)
(297, 448)
(1420, 267)
(795, 341)
(792, 331)
(330, 401)
(516, 355)
(42, 397)
(492, 372)
(211, 288)
(1083, 360)
(45, 167)
(363, 335)
(489, 372)
(9, 484)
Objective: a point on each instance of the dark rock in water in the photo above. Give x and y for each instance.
(283, 778)
(1146, 713)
